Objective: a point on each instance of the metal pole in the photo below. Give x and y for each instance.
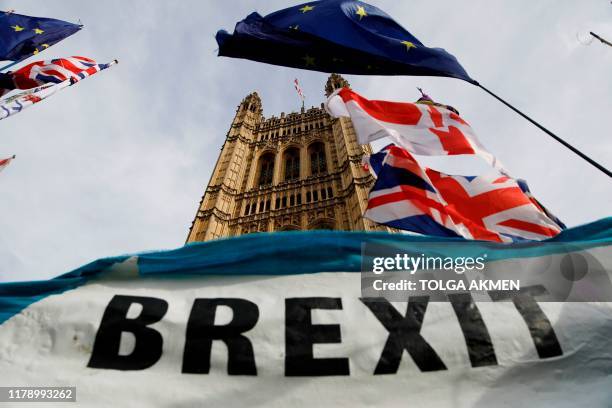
(549, 133)
(9, 65)
(601, 39)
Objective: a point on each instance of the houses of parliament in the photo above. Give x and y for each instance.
(299, 171)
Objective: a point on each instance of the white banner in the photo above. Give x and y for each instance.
(124, 339)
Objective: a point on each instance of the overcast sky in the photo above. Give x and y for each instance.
(119, 163)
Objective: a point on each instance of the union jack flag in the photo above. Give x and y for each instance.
(14, 104)
(424, 128)
(298, 89)
(54, 71)
(490, 207)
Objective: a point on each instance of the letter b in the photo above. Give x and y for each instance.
(148, 341)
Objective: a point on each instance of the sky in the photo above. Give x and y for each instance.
(118, 164)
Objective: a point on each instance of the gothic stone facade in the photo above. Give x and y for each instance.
(300, 171)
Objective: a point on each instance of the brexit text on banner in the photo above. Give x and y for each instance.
(279, 319)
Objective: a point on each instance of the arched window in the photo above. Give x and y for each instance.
(323, 224)
(318, 163)
(290, 227)
(266, 169)
(292, 164)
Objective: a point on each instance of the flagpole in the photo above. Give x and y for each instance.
(9, 65)
(601, 39)
(549, 133)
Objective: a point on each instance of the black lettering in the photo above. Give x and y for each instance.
(301, 335)
(477, 338)
(202, 331)
(149, 342)
(404, 334)
(542, 333)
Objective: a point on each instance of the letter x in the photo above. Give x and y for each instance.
(404, 334)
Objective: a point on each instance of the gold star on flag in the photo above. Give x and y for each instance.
(408, 45)
(38, 31)
(361, 12)
(17, 28)
(309, 61)
(306, 9)
(45, 45)
(35, 51)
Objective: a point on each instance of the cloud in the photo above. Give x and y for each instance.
(119, 163)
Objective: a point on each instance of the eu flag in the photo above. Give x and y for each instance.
(344, 36)
(23, 36)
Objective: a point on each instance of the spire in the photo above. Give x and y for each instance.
(251, 102)
(334, 82)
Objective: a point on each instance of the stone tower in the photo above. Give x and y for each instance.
(300, 171)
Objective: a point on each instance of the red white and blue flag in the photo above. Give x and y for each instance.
(298, 89)
(5, 162)
(424, 129)
(16, 103)
(55, 71)
(490, 207)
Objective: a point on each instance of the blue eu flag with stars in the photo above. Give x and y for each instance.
(344, 36)
(23, 36)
